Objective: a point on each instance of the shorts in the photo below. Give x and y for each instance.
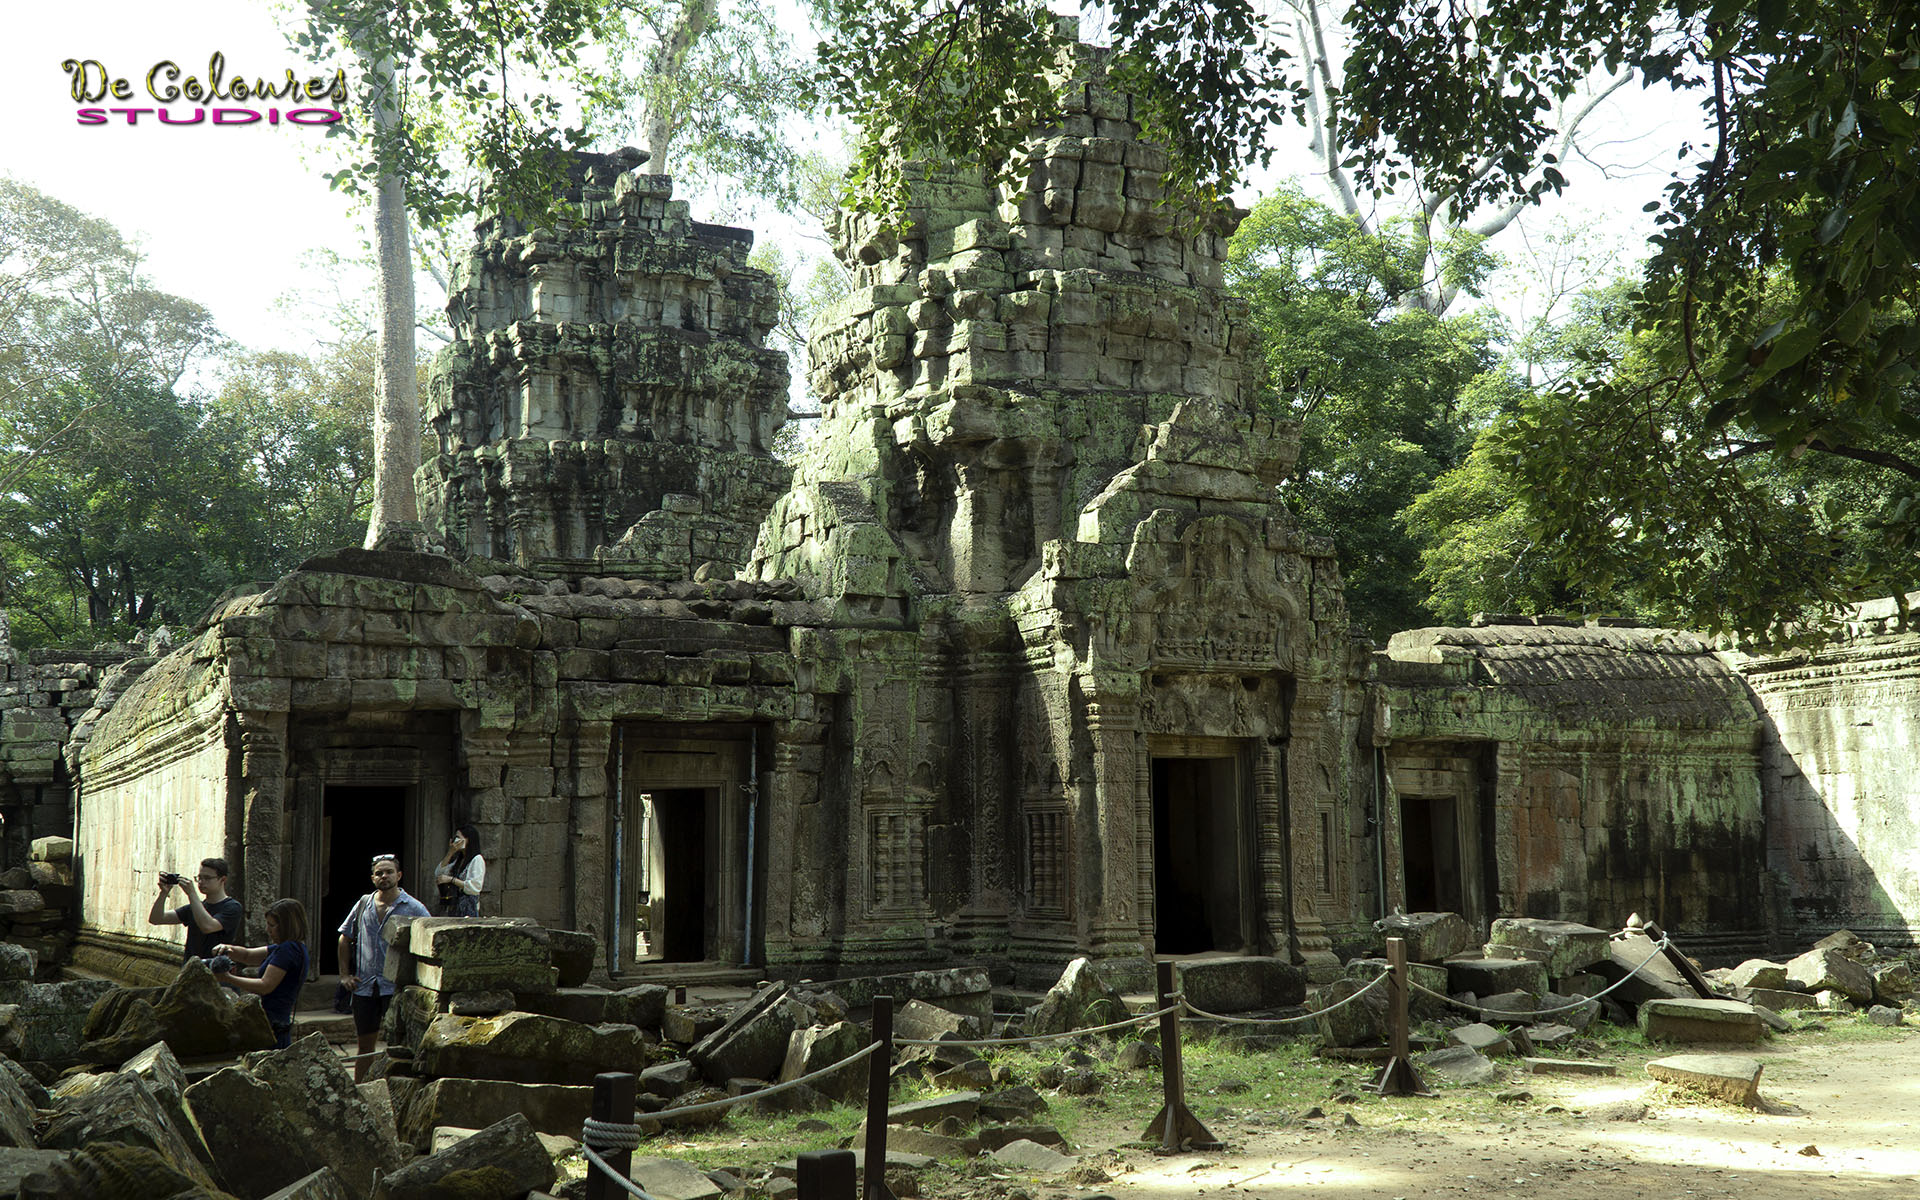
(368, 1011)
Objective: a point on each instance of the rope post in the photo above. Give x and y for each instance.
(613, 1103)
(1398, 1078)
(879, 1084)
(825, 1175)
(1174, 1126)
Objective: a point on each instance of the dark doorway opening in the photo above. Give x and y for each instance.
(356, 824)
(1430, 841)
(1198, 887)
(678, 882)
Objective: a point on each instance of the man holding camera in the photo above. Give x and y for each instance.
(211, 916)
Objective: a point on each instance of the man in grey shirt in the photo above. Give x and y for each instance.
(210, 915)
(363, 952)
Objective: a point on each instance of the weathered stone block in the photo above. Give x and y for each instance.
(122, 1108)
(919, 1021)
(548, 1107)
(503, 1161)
(1458, 1064)
(1349, 1024)
(1079, 1000)
(1565, 947)
(1489, 976)
(1430, 937)
(1831, 970)
(528, 1048)
(1729, 1077)
(1758, 973)
(1236, 985)
(819, 1047)
(752, 1043)
(962, 1106)
(644, 1006)
(1668, 1020)
(1482, 1038)
(1653, 976)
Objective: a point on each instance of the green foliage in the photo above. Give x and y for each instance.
(1387, 394)
(124, 498)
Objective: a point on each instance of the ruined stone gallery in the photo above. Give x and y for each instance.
(1024, 659)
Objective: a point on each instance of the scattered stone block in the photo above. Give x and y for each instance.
(503, 1161)
(1892, 983)
(1355, 1024)
(122, 1108)
(16, 1114)
(528, 1048)
(1563, 947)
(1729, 1077)
(281, 1115)
(1580, 983)
(1567, 1066)
(50, 1019)
(573, 955)
(1515, 1008)
(1458, 1064)
(1831, 970)
(819, 1047)
(1701, 1021)
(919, 1021)
(1012, 1104)
(1777, 1001)
(321, 1185)
(673, 1179)
(1079, 1000)
(644, 1006)
(670, 1079)
(932, 1110)
(1548, 1036)
(1420, 1004)
(752, 1042)
(1137, 1056)
(587, 1005)
(686, 1024)
(993, 1137)
(549, 1107)
(51, 850)
(1758, 973)
(1482, 1038)
(1033, 1157)
(477, 954)
(1492, 976)
(479, 1004)
(17, 963)
(168, 1083)
(1430, 937)
(1847, 942)
(1237, 985)
(1881, 1014)
(1653, 975)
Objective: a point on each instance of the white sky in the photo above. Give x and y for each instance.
(226, 213)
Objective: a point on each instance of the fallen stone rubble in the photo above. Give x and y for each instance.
(494, 1043)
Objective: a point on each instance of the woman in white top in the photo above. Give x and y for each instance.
(461, 874)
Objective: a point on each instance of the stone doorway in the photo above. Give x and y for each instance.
(1200, 870)
(690, 858)
(1430, 827)
(356, 823)
(1442, 815)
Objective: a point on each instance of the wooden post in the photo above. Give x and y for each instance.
(1174, 1126)
(1398, 1078)
(879, 1084)
(613, 1103)
(825, 1175)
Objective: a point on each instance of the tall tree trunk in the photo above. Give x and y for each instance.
(396, 413)
(669, 63)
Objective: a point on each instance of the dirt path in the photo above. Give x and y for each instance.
(1853, 1102)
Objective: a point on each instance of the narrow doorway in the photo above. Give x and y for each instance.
(356, 823)
(1430, 840)
(678, 850)
(1198, 880)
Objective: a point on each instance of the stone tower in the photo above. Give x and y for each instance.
(608, 400)
(1116, 688)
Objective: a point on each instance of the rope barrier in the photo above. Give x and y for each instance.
(1659, 946)
(614, 1175)
(691, 1110)
(1377, 980)
(1142, 1019)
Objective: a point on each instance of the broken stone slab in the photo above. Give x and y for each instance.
(34, 1089)
(1580, 983)
(477, 954)
(934, 1109)
(1340, 1023)
(281, 1115)
(1567, 1066)
(820, 1046)
(1516, 1007)
(1012, 1104)
(1881, 1014)
(479, 1004)
(1563, 947)
(1758, 973)
(920, 1021)
(1654, 976)
(587, 1005)
(1237, 985)
(52, 1017)
(503, 1161)
(1033, 1157)
(967, 990)
(670, 1079)
(673, 1179)
(16, 1115)
(753, 1041)
(528, 1048)
(321, 1185)
(1458, 1064)
(194, 1015)
(1892, 983)
(51, 849)
(1830, 969)
(915, 1140)
(1483, 1038)
(1431, 937)
(17, 963)
(123, 1109)
(110, 1169)
(1731, 1077)
(1849, 943)
(1553, 1035)
(1081, 999)
(1421, 1004)
(686, 1024)
(1778, 1001)
(1669, 1020)
(573, 954)
(168, 1083)
(1492, 976)
(18, 1162)
(993, 1137)
(549, 1107)
(644, 1006)
(378, 1093)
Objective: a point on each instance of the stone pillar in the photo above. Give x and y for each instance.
(1305, 787)
(1270, 842)
(1144, 909)
(256, 799)
(1113, 928)
(984, 748)
(591, 878)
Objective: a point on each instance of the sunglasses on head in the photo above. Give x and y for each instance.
(387, 858)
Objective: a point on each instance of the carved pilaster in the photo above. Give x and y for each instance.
(1143, 840)
(257, 798)
(592, 901)
(1306, 789)
(1112, 723)
(1270, 843)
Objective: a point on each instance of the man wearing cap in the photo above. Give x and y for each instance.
(363, 952)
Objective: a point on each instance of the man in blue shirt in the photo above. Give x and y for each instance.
(363, 952)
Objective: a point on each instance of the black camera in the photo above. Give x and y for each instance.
(172, 877)
(220, 964)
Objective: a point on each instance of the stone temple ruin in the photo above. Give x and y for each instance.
(1024, 659)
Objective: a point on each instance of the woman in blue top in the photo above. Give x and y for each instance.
(282, 963)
